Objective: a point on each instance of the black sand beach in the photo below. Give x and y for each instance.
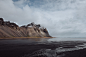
(41, 48)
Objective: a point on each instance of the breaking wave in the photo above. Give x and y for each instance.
(58, 52)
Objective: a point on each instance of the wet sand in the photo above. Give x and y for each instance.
(19, 47)
(22, 47)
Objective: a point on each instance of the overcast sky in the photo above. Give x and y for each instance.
(62, 18)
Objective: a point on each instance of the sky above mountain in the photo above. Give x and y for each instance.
(62, 18)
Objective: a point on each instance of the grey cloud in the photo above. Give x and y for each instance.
(60, 17)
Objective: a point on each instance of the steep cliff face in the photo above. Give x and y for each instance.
(8, 29)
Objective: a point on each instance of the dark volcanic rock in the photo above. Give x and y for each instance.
(9, 29)
(1, 21)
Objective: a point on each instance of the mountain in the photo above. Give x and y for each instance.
(9, 29)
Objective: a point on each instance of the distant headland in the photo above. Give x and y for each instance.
(12, 30)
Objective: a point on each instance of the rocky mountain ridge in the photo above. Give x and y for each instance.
(9, 29)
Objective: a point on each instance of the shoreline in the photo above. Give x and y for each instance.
(23, 37)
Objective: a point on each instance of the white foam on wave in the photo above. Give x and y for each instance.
(78, 47)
